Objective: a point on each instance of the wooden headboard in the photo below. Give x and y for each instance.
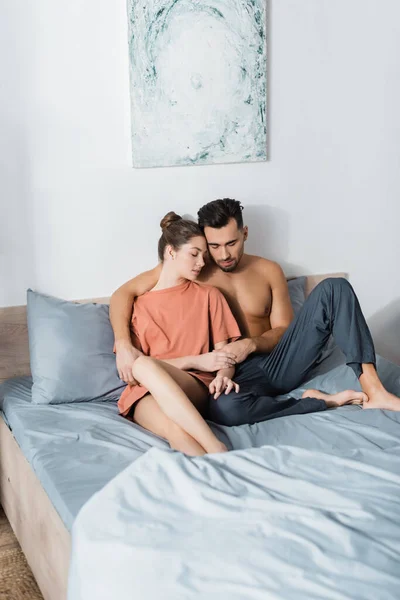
(14, 348)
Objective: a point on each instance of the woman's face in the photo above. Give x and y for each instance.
(189, 259)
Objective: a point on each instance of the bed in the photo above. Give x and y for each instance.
(42, 508)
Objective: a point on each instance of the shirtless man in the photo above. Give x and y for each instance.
(276, 352)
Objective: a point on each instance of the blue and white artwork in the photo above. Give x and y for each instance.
(197, 81)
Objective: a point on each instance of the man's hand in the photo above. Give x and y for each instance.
(222, 384)
(214, 361)
(126, 356)
(241, 349)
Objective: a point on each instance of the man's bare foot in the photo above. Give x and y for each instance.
(339, 399)
(378, 396)
(382, 399)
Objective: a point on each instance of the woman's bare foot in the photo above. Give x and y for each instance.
(382, 399)
(217, 447)
(178, 439)
(339, 399)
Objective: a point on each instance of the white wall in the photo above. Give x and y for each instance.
(77, 220)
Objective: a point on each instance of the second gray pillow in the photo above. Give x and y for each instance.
(71, 351)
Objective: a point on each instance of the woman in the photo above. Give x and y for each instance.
(179, 326)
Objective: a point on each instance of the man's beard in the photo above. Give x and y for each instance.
(229, 269)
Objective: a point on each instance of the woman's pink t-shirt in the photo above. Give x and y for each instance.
(184, 320)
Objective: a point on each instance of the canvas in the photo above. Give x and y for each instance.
(197, 81)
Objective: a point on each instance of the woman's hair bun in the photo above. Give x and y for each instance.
(169, 218)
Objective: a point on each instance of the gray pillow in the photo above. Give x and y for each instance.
(71, 351)
(297, 293)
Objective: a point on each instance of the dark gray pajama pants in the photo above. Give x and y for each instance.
(331, 308)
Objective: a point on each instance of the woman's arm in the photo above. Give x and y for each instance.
(184, 363)
(223, 379)
(210, 362)
(218, 362)
(227, 371)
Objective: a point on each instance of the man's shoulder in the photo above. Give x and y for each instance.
(262, 265)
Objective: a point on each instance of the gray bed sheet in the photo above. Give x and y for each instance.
(75, 449)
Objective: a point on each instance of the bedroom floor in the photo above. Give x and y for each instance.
(16, 579)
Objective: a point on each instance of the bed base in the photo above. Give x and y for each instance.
(43, 537)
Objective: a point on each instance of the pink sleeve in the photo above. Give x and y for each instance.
(223, 324)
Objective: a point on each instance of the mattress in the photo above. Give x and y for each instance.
(76, 449)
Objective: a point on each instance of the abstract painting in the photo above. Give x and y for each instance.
(197, 81)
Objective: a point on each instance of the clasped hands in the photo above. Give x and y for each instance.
(228, 356)
(225, 358)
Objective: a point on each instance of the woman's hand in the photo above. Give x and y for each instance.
(214, 361)
(222, 384)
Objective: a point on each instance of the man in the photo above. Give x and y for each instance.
(276, 352)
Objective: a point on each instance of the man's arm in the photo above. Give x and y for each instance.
(280, 318)
(121, 302)
(121, 307)
(281, 313)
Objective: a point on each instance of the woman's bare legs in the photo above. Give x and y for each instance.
(168, 386)
(150, 416)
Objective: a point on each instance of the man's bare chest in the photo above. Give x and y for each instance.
(247, 296)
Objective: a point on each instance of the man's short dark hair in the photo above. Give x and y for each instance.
(218, 213)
